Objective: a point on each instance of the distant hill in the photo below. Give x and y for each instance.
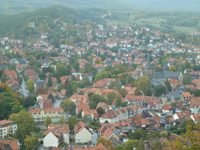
(15, 6)
(171, 5)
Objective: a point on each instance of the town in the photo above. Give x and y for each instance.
(103, 87)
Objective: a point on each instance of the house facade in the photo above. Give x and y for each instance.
(7, 128)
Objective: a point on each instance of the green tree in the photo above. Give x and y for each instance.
(115, 85)
(69, 106)
(119, 147)
(111, 96)
(62, 120)
(30, 142)
(74, 86)
(138, 134)
(72, 121)
(130, 144)
(159, 90)
(49, 82)
(140, 145)
(63, 69)
(105, 142)
(185, 123)
(164, 134)
(197, 93)
(187, 80)
(143, 84)
(123, 92)
(48, 121)
(156, 145)
(168, 85)
(100, 111)
(12, 67)
(30, 85)
(24, 122)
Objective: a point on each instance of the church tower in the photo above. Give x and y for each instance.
(166, 68)
(148, 69)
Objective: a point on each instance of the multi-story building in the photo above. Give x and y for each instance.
(7, 128)
(40, 114)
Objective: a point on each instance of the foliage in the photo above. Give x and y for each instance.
(159, 90)
(187, 80)
(119, 147)
(100, 111)
(185, 123)
(172, 68)
(111, 96)
(95, 99)
(63, 69)
(197, 93)
(30, 85)
(62, 120)
(69, 106)
(164, 134)
(30, 142)
(130, 144)
(74, 86)
(48, 121)
(138, 134)
(115, 85)
(24, 122)
(168, 85)
(49, 82)
(72, 121)
(156, 145)
(123, 92)
(143, 84)
(140, 145)
(191, 136)
(105, 142)
(10, 102)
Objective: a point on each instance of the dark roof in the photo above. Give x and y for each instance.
(166, 74)
(148, 64)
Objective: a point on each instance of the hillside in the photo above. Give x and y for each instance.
(17, 26)
(172, 5)
(16, 6)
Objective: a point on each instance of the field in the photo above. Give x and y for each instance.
(153, 21)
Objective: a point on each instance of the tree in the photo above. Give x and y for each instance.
(111, 96)
(63, 69)
(138, 134)
(123, 92)
(24, 122)
(185, 123)
(168, 85)
(143, 84)
(156, 145)
(172, 68)
(159, 90)
(30, 85)
(130, 144)
(62, 120)
(187, 80)
(105, 142)
(30, 142)
(119, 147)
(100, 111)
(72, 121)
(48, 121)
(164, 134)
(115, 85)
(197, 93)
(74, 86)
(140, 145)
(69, 106)
(49, 82)
(191, 136)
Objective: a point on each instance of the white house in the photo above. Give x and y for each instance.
(109, 116)
(82, 133)
(56, 135)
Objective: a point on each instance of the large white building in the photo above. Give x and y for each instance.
(39, 115)
(7, 128)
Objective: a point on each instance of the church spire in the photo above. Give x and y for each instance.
(148, 64)
(165, 66)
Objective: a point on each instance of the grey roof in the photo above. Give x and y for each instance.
(166, 74)
(176, 96)
(148, 64)
(156, 82)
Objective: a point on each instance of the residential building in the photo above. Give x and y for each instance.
(7, 128)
